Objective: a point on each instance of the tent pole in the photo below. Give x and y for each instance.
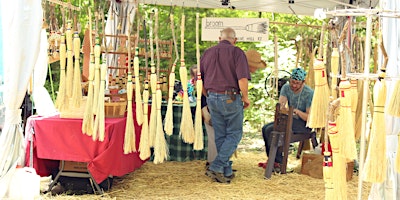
(364, 102)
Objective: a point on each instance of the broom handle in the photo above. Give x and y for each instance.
(175, 43)
(321, 43)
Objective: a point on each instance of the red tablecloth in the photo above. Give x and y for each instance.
(62, 139)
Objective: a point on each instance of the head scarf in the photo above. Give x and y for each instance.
(298, 74)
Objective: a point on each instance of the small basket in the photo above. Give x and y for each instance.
(115, 109)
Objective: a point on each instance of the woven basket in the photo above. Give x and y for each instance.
(115, 109)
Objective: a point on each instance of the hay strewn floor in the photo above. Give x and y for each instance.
(186, 180)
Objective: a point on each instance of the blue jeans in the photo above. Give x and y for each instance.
(298, 127)
(227, 120)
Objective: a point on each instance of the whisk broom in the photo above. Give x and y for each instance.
(160, 147)
(198, 128)
(153, 85)
(187, 130)
(99, 123)
(144, 147)
(96, 85)
(70, 62)
(76, 84)
(62, 99)
(168, 120)
(318, 109)
(375, 162)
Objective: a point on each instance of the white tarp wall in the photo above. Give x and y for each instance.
(390, 189)
(21, 28)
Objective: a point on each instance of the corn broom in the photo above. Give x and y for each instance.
(129, 142)
(327, 168)
(144, 147)
(169, 124)
(375, 162)
(187, 130)
(76, 84)
(153, 85)
(62, 99)
(70, 62)
(160, 147)
(198, 127)
(346, 125)
(99, 121)
(88, 120)
(319, 108)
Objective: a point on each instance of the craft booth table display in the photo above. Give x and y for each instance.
(56, 139)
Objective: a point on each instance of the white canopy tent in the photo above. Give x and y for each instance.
(21, 25)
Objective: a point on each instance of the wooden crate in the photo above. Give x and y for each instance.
(72, 166)
(115, 109)
(313, 163)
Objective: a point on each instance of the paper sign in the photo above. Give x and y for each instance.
(247, 29)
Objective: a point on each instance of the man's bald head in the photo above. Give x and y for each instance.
(228, 34)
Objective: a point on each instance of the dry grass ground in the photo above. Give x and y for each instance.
(186, 180)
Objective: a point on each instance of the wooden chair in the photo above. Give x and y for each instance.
(282, 136)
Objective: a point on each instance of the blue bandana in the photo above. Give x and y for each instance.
(298, 74)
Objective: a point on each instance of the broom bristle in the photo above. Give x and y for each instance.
(328, 174)
(61, 99)
(128, 148)
(153, 113)
(198, 128)
(144, 147)
(346, 124)
(100, 109)
(87, 124)
(77, 87)
(393, 107)
(169, 125)
(160, 146)
(70, 73)
(186, 129)
(375, 162)
(318, 109)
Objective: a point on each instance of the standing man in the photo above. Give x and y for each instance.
(225, 74)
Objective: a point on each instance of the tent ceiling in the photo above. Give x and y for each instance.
(299, 7)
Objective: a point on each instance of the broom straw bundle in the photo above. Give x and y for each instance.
(198, 128)
(99, 123)
(144, 147)
(88, 120)
(70, 61)
(130, 137)
(346, 124)
(375, 162)
(393, 107)
(62, 99)
(319, 108)
(327, 169)
(76, 84)
(187, 130)
(169, 124)
(161, 148)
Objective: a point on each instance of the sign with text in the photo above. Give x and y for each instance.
(247, 29)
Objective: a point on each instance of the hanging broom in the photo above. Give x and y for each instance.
(76, 84)
(169, 124)
(354, 102)
(144, 147)
(187, 130)
(100, 118)
(198, 128)
(62, 99)
(130, 136)
(160, 147)
(375, 162)
(96, 85)
(70, 62)
(153, 85)
(318, 109)
(88, 120)
(138, 96)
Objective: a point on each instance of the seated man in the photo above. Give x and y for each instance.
(298, 95)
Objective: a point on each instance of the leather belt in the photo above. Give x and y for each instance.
(224, 92)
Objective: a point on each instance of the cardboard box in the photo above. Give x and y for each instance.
(311, 165)
(72, 166)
